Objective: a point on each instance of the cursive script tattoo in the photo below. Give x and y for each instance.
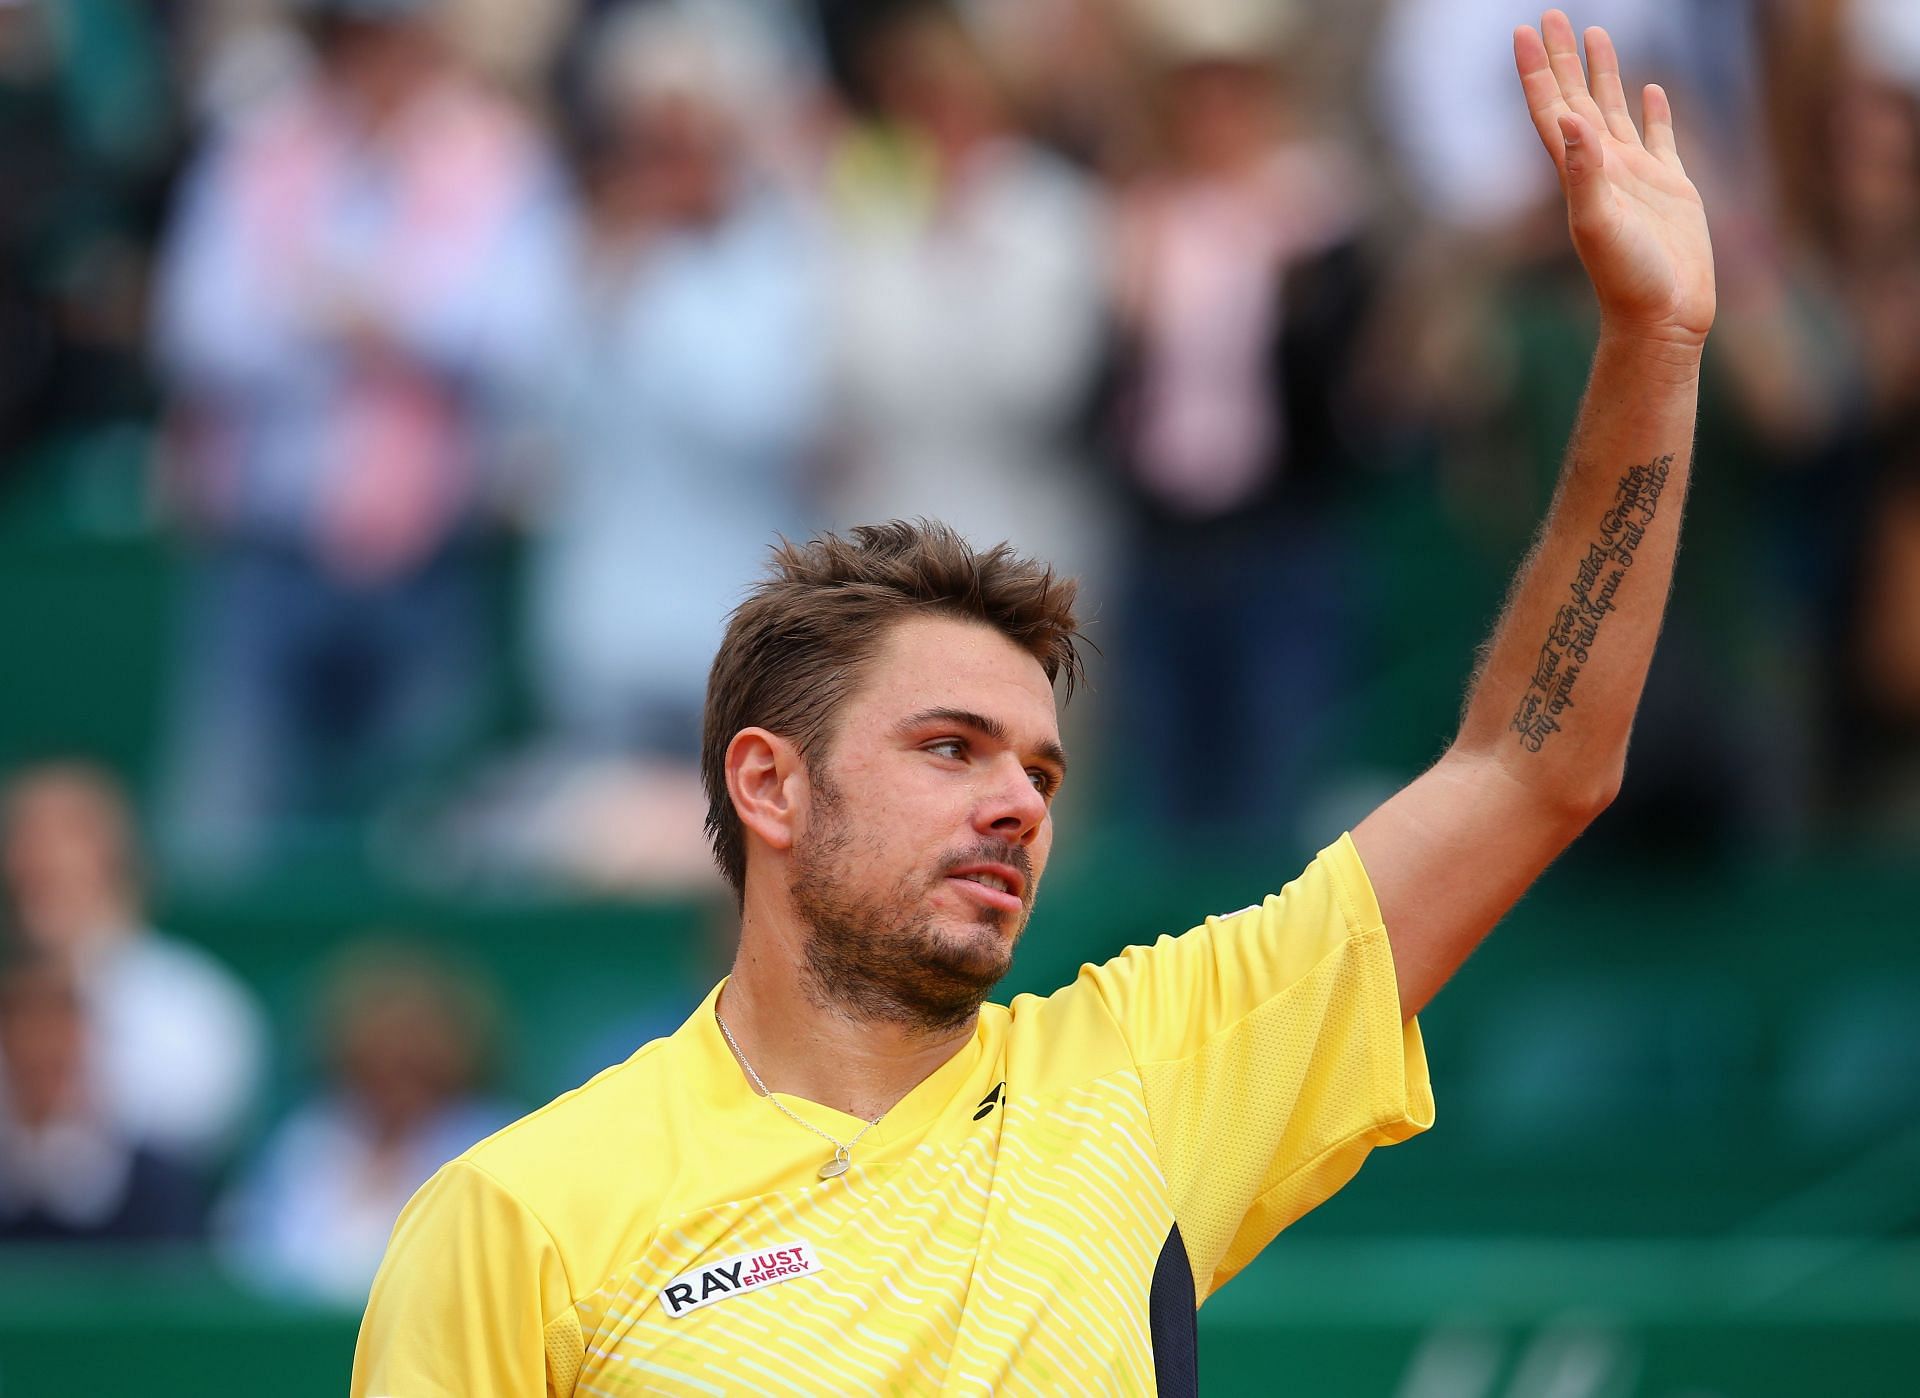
(1596, 582)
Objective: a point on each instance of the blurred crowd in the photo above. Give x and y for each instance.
(132, 1065)
(1180, 294)
(1170, 293)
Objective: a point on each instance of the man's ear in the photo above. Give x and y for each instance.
(765, 779)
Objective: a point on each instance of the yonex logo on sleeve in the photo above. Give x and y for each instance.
(718, 1280)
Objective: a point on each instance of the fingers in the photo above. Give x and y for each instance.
(1657, 114)
(1556, 86)
(1544, 103)
(1563, 56)
(1603, 80)
(1590, 206)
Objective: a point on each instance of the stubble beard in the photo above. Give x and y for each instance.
(877, 956)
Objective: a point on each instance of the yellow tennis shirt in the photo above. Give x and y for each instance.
(1042, 1214)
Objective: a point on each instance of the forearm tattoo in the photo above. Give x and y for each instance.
(1595, 582)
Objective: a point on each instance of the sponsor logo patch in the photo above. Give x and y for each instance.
(751, 1270)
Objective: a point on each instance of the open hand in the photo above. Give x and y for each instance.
(1637, 221)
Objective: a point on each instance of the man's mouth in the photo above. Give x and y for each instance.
(996, 885)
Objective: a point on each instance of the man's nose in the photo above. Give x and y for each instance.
(1015, 808)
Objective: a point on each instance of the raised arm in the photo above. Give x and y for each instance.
(1543, 740)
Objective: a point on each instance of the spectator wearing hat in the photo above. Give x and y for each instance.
(681, 416)
(1240, 291)
(684, 397)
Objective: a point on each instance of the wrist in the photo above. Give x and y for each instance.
(1670, 351)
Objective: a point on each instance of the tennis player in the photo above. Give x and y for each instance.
(846, 1172)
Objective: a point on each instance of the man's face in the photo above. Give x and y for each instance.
(928, 826)
(61, 862)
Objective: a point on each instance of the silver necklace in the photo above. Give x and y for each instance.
(842, 1150)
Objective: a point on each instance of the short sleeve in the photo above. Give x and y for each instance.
(470, 1302)
(1272, 1057)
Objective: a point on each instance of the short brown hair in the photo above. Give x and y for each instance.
(795, 649)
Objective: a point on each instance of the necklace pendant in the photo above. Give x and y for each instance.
(839, 1165)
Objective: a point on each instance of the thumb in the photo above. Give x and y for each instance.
(1589, 193)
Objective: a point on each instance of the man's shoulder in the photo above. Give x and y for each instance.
(609, 1126)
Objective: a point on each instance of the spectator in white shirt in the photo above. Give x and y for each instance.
(181, 1043)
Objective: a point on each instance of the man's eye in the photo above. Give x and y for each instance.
(949, 747)
(1042, 780)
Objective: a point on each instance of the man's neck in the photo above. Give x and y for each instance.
(823, 1054)
(89, 933)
